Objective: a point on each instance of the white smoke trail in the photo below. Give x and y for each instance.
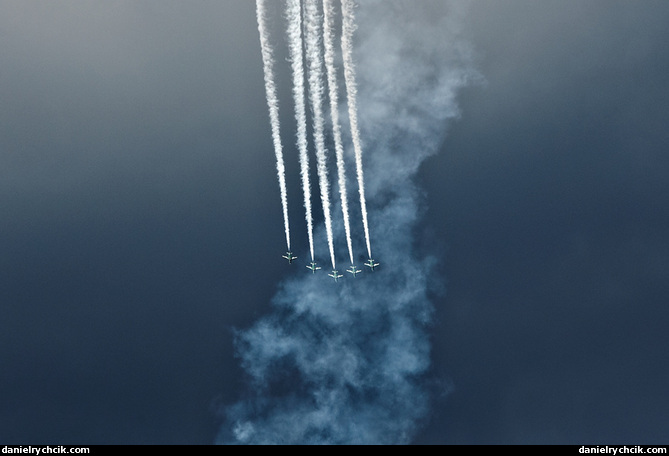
(328, 37)
(349, 363)
(348, 27)
(294, 13)
(315, 77)
(273, 104)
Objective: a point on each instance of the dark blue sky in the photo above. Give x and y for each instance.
(142, 222)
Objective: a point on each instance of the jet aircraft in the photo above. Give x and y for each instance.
(289, 256)
(353, 270)
(335, 276)
(313, 267)
(371, 264)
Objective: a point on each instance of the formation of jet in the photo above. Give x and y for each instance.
(335, 276)
(290, 257)
(371, 264)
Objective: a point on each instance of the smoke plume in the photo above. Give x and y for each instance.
(313, 36)
(273, 105)
(295, 41)
(333, 91)
(346, 363)
(348, 27)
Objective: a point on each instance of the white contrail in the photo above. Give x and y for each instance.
(294, 13)
(348, 27)
(273, 104)
(315, 76)
(328, 36)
